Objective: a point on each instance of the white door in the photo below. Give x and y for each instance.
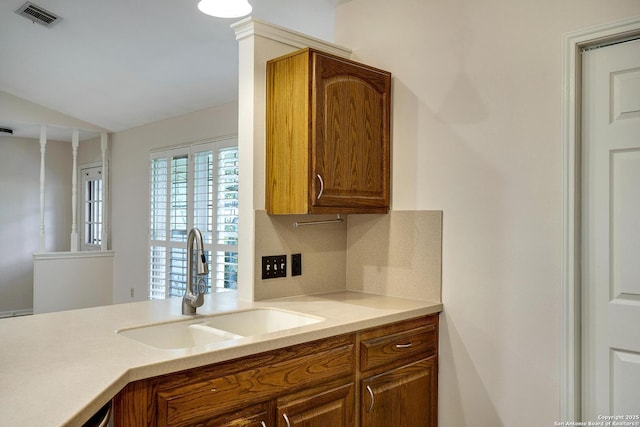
(611, 231)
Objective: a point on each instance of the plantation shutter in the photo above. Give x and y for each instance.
(193, 186)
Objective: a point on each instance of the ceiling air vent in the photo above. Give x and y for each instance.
(37, 14)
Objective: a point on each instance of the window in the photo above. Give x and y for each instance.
(91, 232)
(195, 186)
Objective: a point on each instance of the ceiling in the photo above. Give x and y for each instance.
(119, 64)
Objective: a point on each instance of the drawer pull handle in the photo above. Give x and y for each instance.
(321, 186)
(373, 399)
(286, 420)
(262, 424)
(404, 345)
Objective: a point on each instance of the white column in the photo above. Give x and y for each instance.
(43, 149)
(104, 144)
(75, 140)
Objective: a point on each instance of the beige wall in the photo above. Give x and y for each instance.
(130, 187)
(20, 193)
(477, 133)
(20, 213)
(89, 152)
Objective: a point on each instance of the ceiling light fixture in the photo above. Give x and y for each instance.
(225, 8)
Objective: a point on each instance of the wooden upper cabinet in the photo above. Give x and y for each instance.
(328, 135)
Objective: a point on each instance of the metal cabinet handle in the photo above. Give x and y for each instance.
(321, 186)
(263, 424)
(286, 420)
(404, 345)
(373, 399)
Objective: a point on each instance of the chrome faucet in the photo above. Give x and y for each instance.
(193, 299)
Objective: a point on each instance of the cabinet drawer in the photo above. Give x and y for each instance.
(385, 350)
(184, 405)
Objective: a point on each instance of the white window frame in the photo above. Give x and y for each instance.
(162, 277)
(95, 216)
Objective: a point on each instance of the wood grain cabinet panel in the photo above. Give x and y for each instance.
(329, 406)
(402, 397)
(417, 341)
(253, 416)
(328, 135)
(200, 399)
(240, 392)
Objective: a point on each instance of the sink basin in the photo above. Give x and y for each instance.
(177, 335)
(204, 330)
(259, 321)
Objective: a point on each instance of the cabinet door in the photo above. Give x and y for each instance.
(253, 416)
(328, 408)
(350, 144)
(403, 397)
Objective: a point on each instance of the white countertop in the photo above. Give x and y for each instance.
(60, 368)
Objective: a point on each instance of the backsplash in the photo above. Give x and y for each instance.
(398, 254)
(323, 249)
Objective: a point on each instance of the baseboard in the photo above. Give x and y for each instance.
(15, 313)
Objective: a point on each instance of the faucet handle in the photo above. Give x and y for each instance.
(199, 300)
(201, 288)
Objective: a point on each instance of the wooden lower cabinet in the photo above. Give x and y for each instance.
(246, 391)
(403, 397)
(399, 374)
(252, 416)
(385, 376)
(327, 407)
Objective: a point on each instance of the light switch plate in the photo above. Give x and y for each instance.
(274, 266)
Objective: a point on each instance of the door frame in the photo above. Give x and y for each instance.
(570, 288)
